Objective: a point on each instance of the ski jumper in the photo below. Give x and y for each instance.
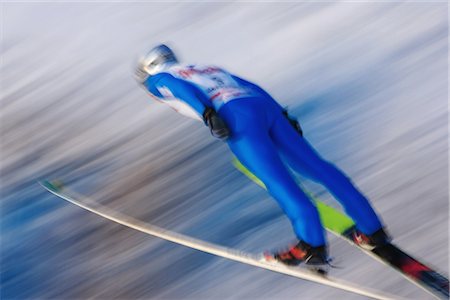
(261, 137)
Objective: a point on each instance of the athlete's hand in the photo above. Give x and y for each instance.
(293, 122)
(215, 123)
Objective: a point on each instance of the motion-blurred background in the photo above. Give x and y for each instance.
(368, 82)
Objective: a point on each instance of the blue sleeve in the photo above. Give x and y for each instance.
(180, 89)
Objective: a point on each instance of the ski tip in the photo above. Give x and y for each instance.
(52, 185)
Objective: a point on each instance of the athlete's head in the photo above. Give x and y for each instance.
(156, 60)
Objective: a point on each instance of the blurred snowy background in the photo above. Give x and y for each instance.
(368, 82)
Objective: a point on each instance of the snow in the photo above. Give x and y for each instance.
(367, 80)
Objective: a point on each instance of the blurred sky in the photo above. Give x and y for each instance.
(367, 80)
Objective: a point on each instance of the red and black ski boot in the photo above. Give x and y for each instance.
(314, 258)
(371, 241)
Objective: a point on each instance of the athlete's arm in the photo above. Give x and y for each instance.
(166, 86)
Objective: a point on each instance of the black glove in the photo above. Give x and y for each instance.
(215, 123)
(293, 122)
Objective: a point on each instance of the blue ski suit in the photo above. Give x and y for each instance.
(261, 136)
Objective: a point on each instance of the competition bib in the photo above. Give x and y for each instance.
(216, 83)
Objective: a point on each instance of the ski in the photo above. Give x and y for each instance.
(256, 260)
(342, 226)
(418, 273)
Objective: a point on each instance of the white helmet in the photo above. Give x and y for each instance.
(157, 59)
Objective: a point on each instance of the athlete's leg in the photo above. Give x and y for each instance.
(251, 144)
(305, 160)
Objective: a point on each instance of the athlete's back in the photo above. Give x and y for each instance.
(212, 85)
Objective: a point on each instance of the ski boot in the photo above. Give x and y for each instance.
(369, 242)
(314, 258)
